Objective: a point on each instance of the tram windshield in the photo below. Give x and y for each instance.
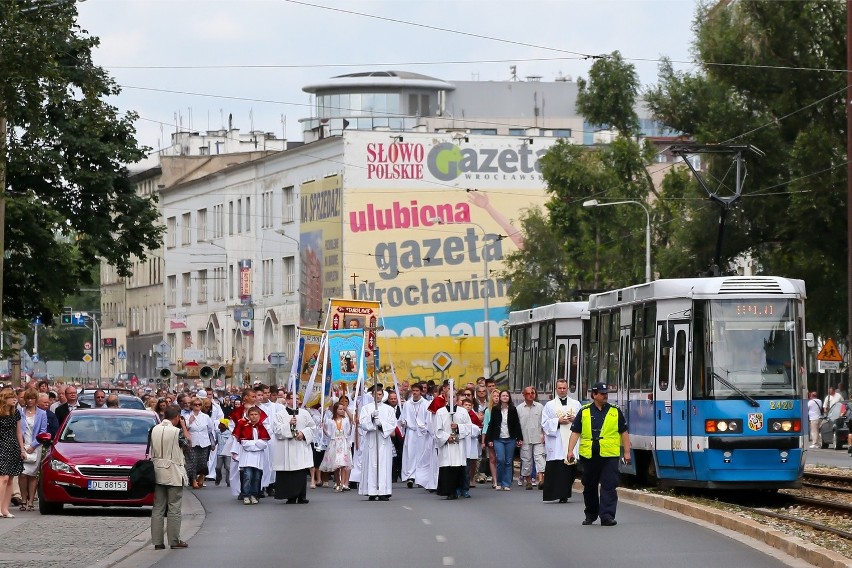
(750, 347)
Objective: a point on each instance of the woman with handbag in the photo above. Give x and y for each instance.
(33, 422)
(11, 448)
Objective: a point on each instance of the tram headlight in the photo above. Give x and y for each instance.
(785, 425)
(722, 425)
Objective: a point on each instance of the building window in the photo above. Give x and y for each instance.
(268, 277)
(201, 221)
(218, 221)
(248, 214)
(266, 210)
(186, 294)
(219, 284)
(487, 131)
(289, 339)
(186, 226)
(288, 205)
(239, 216)
(172, 339)
(202, 286)
(561, 133)
(230, 282)
(289, 274)
(230, 217)
(517, 132)
(171, 290)
(171, 228)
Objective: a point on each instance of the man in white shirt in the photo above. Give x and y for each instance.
(532, 450)
(833, 398)
(814, 412)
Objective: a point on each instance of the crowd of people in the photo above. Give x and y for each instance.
(260, 442)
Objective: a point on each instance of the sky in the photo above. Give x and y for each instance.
(194, 62)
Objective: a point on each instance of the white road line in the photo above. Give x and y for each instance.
(449, 561)
(440, 538)
(406, 507)
(426, 521)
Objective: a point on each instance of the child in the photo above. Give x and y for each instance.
(472, 450)
(337, 459)
(223, 459)
(253, 439)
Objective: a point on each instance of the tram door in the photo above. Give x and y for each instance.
(568, 366)
(670, 392)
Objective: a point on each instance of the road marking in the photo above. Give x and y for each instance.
(426, 521)
(440, 538)
(406, 507)
(449, 561)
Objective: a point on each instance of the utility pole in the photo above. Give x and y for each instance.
(848, 180)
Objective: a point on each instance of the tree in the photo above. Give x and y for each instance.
(764, 82)
(69, 199)
(597, 248)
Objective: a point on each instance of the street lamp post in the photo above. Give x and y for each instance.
(596, 203)
(486, 328)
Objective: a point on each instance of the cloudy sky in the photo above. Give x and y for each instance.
(197, 61)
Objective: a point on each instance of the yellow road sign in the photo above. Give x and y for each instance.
(829, 352)
(87, 358)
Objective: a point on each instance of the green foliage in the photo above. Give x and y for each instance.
(796, 116)
(609, 97)
(69, 200)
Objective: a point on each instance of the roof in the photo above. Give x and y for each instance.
(379, 80)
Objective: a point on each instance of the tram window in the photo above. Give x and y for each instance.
(680, 360)
(560, 361)
(665, 353)
(647, 381)
(573, 369)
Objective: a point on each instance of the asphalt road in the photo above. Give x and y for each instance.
(830, 457)
(416, 529)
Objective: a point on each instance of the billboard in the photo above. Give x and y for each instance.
(426, 225)
(320, 246)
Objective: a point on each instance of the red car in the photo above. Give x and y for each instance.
(89, 460)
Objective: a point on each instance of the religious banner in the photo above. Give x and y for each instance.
(345, 356)
(308, 355)
(356, 314)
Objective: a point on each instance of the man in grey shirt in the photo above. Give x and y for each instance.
(532, 449)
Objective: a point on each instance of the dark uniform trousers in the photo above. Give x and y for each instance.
(603, 471)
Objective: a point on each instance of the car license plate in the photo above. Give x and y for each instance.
(104, 485)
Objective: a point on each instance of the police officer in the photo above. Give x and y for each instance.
(602, 430)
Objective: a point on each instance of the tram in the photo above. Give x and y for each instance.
(546, 343)
(710, 373)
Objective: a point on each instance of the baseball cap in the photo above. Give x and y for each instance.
(600, 388)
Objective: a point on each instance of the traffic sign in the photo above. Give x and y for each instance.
(36, 358)
(87, 358)
(162, 348)
(87, 346)
(121, 355)
(829, 352)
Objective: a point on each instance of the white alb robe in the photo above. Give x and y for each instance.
(415, 416)
(452, 455)
(556, 437)
(426, 474)
(376, 476)
(290, 454)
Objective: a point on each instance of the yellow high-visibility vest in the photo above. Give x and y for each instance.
(610, 439)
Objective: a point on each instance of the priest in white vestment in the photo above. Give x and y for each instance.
(293, 431)
(452, 428)
(415, 422)
(556, 419)
(377, 423)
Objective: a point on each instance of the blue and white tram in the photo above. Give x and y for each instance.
(710, 373)
(546, 343)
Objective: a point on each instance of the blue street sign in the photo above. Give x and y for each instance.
(36, 358)
(122, 355)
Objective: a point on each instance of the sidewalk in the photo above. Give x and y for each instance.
(88, 536)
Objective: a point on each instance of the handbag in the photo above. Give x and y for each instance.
(142, 473)
(31, 458)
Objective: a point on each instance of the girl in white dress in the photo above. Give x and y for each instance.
(337, 459)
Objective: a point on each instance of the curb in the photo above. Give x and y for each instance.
(139, 553)
(747, 529)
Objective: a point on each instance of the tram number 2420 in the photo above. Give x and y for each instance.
(780, 405)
